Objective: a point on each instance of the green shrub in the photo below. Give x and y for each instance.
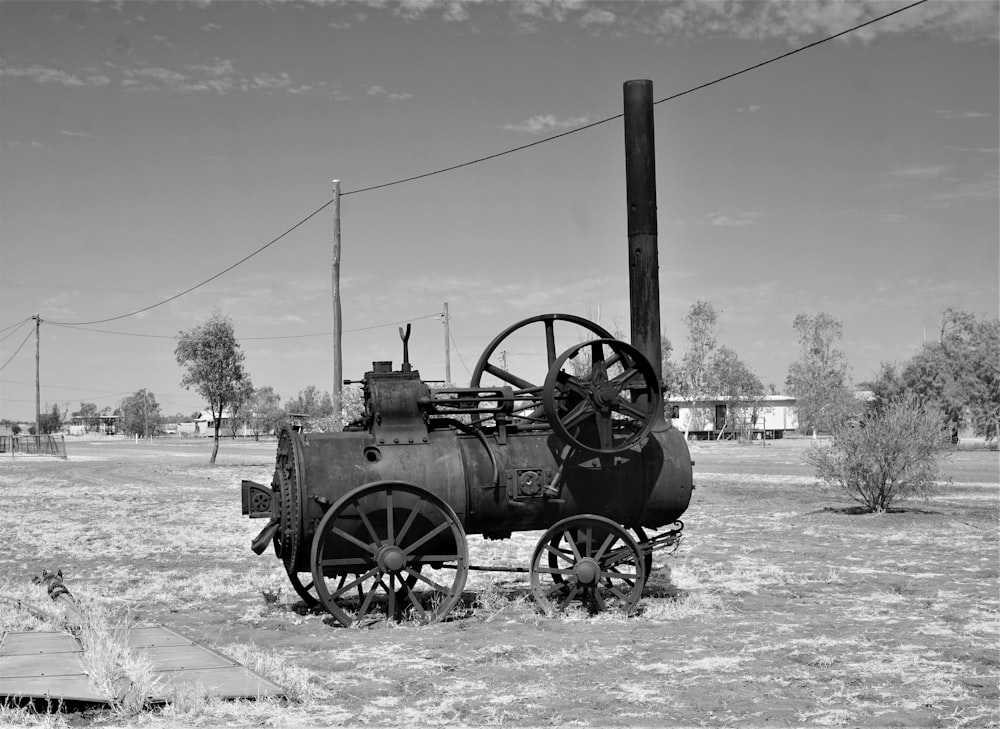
(884, 456)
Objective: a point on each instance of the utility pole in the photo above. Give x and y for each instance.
(338, 361)
(447, 347)
(38, 386)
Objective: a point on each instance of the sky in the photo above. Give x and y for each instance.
(147, 147)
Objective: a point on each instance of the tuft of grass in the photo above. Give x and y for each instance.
(114, 669)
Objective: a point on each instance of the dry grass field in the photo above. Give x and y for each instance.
(778, 610)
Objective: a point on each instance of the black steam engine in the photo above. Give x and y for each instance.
(372, 522)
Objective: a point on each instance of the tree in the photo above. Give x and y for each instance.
(214, 368)
(264, 413)
(88, 414)
(694, 381)
(884, 455)
(51, 421)
(671, 371)
(732, 381)
(139, 414)
(317, 408)
(960, 373)
(818, 380)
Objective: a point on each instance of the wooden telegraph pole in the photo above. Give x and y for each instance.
(38, 386)
(447, 347)
(338, 361)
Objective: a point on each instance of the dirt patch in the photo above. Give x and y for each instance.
(778, 610)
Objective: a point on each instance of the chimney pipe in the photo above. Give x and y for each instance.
(640, 184)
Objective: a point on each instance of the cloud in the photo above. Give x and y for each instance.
(545, 123)
(793, 22)
(380, 91)
(41, 75)
(919, 172)
(598, 17)
(14, 144)
(76, 134)
(947, 114)
(748, 109)
(210, 27)
(732, 219)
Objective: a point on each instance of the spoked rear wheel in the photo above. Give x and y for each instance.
(589, 559)
(389, 550)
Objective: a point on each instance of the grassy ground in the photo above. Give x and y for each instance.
(778, 610)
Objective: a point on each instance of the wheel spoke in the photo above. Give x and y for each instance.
(390, 529)
(608, 541)
(612, 574)
(572, 544)
(604, 434)
(409, 521)
(559, 553)
(508, 377)
(617, 593)
(583, 410)
(554, 571)
(621, 380)
(569, 597)
(390, 610)
(625, 407)
(351, 538)
(599, 599)
(554, 589)
(363, 515)
(424, 578)
(412, 596)
(550, 341)
(366, 603)
(346, 562)
(428, 536)
(568, 383)
(347, 586)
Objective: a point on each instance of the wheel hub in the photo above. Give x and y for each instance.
(391, 559)
(586, 571)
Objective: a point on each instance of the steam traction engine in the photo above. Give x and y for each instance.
(371, 523)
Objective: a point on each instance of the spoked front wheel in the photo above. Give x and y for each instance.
(589, 559)
(389, 550)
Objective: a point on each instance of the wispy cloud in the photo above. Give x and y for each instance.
(949, 114)
(546, 123)
(76, 134)
(734, 218)
(918, 172)
(380, 91)
(47, 75)
(748, 109)
(794, 22)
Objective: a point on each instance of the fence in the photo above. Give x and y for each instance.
(35, 445)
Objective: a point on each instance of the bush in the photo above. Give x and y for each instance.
(884, 456)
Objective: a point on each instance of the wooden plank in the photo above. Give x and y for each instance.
(19, 643)
(47, 665)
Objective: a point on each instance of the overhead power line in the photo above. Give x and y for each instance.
(251, 339)
(26, 338)
(15, 324)
(487, 158)
(246, 258)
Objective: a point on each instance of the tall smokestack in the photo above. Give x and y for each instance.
(643, 256)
